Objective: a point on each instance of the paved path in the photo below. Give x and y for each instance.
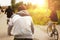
(40, 31)
(3, 28)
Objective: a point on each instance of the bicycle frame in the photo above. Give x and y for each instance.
(54, 31)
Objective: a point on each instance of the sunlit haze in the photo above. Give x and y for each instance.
(34, 2)
(37, 2)
(5, 2)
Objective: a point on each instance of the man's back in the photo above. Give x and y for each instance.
(54, 16)
(9, 11)
(22, 26)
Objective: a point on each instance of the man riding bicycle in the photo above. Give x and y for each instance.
(53, 19)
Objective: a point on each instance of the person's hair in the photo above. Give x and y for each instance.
(0, 7)
(21, 7)
(9, 6)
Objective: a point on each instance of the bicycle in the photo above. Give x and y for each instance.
(53, 32)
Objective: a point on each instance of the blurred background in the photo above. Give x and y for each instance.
(39, 9)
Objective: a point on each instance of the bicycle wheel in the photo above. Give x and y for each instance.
(49, 31)
(55, 34)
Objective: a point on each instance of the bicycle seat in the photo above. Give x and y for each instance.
(54, 22)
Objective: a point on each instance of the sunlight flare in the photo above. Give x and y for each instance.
(38, 2)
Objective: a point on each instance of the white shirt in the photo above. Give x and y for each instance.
(21, 26)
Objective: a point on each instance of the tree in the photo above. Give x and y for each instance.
(13, 4)
(54, 3)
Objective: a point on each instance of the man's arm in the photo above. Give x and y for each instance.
(32, 28)
(10, 25)
(6, 11)
(9, 30)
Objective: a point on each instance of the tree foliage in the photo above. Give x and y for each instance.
(13, 4)
(54, 3)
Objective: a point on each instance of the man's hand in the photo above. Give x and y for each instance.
(32, 28)
(9, 34)
(9, 30)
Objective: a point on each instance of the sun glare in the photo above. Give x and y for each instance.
(36, 2)
(26, 1)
